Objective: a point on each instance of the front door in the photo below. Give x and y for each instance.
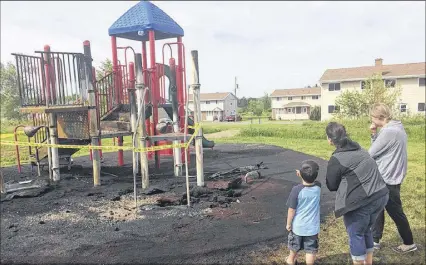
(298, 110)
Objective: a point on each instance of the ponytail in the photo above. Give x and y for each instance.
(336, 132)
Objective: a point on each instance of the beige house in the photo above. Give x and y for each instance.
(215, 106)
(410, 76)
(294, 104)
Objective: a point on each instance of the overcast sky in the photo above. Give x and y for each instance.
(267, 45)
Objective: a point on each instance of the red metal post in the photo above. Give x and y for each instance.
(154, 90)
(115, 68)
(180, 90)
(117, 89)
(145, 80)
(18, 157)
(46, 72)
(179, 82)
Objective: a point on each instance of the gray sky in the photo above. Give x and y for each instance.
(267, 45)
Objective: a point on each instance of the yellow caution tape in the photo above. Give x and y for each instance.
(110, 148)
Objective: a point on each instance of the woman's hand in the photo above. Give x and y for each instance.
(373, 128)
(288, 227)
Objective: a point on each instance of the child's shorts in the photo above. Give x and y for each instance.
(307, 243)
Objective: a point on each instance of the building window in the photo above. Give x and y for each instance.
(216, 101)
(314, 97)
(278, 99)
(422, 81)
(334, 87)
(207, 102)
(290, 98)
(289, 110)
(390, 82)
(303, 97)
(421, 107)
(362, 84)
(333, 109)
(304, 110)
(403, 107)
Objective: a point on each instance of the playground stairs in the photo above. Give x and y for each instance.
(117, 122)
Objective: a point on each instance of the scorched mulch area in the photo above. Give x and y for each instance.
(231, 220)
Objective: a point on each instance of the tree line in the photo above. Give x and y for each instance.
(351, 103)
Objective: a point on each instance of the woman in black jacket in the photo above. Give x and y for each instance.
(361, 192)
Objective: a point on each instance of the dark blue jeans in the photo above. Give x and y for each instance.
(358, 226)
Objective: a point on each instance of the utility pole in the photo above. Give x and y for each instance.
(235, 93)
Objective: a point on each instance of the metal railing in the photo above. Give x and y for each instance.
(106, 94)
(31, 80)
(65, 74)
(51, 79)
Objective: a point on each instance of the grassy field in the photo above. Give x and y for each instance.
(310, 138)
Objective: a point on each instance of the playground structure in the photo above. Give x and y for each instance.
(69, 106)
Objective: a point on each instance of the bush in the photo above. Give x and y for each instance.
(315, 114)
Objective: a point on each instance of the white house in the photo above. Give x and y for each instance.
(215, 106)
(294, 104)
(410, 76)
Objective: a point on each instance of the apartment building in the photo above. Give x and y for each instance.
(215, 106)
(294, 104)
(410, 77)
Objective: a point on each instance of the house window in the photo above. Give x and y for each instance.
(362, 84)
(333, 109)
(403, 107)
(303, 97)
(421, 107)
(422, 81)
(216, 101)
(304, 110)
(278, 99)
(207, 102)
(314, 97)
(290, 98)
(390, 82)
(289, 110)
(334, 87)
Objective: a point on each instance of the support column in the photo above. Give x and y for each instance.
(53, 132)
(48, 92)
(142, 91)
(197, 119)
(131, 92)
(145, 82)
(177, 156)
(93, 114)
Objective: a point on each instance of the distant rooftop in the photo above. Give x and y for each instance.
(364, 72)
(296, 92)
(145, 16)
(211, 96)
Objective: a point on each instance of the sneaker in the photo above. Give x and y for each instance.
(405, 248)
(376, 245)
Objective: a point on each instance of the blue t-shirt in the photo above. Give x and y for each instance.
(306, 201)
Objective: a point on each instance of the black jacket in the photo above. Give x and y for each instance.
(355, 176)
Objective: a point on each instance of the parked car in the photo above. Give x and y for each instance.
(232, 118)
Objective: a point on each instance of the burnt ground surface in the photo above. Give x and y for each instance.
(73, 222)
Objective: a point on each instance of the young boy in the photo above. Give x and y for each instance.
(303, 218)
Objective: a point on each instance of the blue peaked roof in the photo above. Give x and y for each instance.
(144, 16)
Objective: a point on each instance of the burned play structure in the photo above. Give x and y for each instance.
(70, 109)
